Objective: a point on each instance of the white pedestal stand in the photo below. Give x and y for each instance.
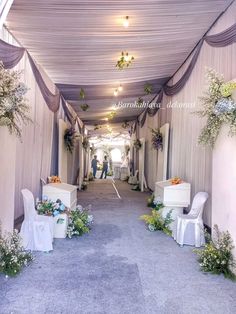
(60, 226)
(176, 210)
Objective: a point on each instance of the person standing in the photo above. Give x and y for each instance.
(104, 167)
(94, 166)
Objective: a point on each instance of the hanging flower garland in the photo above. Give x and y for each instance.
(83, 106)
(219, 107)
(137, 144)
(157, 139)
(14, 110)
(70, 138)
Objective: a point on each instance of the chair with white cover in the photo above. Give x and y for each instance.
(189, 229)
(133, 179)
(36, 230)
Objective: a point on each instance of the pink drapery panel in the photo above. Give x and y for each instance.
(222, 39)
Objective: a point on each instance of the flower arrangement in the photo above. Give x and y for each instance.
(148, 88)
(124, 61)
(157, 139)
(54, 179)
(217, 257)
(125, 125)
(140, 102)
(85, 143)
(12, 255)
(155, 204)
(70, 138)
(80, 222)
(84, 185)
(155, 221)
(137, 144)
(84, 107)
(176, 180)
(219, 108)
(50, 208)
(14, 110)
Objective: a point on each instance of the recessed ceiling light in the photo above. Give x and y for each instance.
(116, 92)
(126, 22)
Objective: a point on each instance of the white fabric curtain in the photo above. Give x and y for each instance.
(186, 158)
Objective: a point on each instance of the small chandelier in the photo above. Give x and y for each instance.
(124, 61)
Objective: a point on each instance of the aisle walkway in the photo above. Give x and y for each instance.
(119, 268)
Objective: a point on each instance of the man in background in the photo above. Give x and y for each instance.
(104, 167)
(94, 166)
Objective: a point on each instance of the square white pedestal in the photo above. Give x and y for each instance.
(60, 226)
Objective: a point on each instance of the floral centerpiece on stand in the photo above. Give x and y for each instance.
(176, 180)
(80, 221)
(50, 208)
(13, 257)
(54, 179)
(14, 110)
(219, 107)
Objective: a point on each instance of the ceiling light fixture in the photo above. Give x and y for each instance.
(120, 88)
(126, 22)
(116, 92)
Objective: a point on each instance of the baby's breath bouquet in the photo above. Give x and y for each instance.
(217, 257)
(219, 107)
(12, 255)
(14, 110)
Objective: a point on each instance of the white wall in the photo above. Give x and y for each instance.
(224, 184)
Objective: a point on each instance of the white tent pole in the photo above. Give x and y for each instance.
(5, 6)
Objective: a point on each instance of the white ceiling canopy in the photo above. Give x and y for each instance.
(79, 42)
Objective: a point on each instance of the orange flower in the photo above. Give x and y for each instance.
(175, 180)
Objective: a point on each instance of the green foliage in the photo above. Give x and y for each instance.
(155, 221)
(217, 257)
(12, 255)
(80, 222)
(70, 138)
(84, 107)
(82, 93)
(124, 61)
(148, 88)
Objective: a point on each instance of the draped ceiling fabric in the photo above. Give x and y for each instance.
(223, 39)
(79, 43)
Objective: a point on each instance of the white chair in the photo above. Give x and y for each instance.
(36, 230)
(133, 179)
(189, 228)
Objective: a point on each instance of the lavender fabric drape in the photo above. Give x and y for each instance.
(222, 39)
(52, 100)
(10, 55)
(174, 89)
